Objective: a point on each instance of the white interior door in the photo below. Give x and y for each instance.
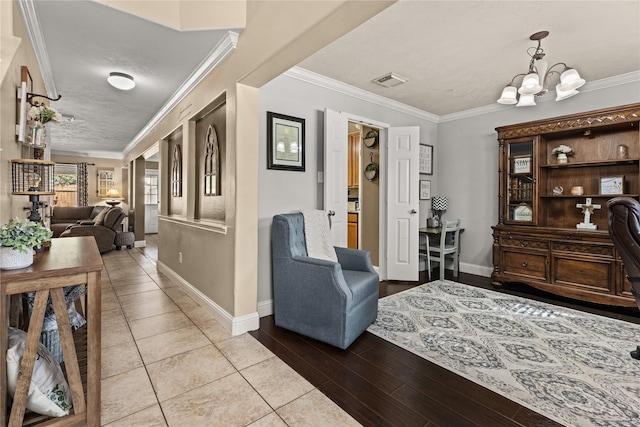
(335, 174)
(402, 203)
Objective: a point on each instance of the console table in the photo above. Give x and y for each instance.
(69, 261)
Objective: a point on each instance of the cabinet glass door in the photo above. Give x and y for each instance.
(521, 182)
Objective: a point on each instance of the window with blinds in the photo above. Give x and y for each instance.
(65, 178)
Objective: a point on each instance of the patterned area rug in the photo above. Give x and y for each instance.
(570, 366)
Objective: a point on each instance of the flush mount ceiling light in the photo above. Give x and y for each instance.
(121, 81)
(536, 81)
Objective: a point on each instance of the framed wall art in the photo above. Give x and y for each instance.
(612, 184)
(105, 181)
(425, 190)
(522, 164)
(426, 159)
(285, 142)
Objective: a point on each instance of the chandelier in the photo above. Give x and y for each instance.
(536, 80)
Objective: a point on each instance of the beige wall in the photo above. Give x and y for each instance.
(99, 163)
(15, 51)
(220, 260)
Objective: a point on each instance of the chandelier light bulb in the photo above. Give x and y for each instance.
(121, 81)
(509, 95)
(564, 94)
(530, 84)
(527, 101)
(570, 80)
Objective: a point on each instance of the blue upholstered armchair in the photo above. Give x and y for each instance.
(328, 301)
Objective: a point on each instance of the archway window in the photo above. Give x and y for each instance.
(176, 172)
(211, 164)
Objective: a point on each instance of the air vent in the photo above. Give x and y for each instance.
(390, 80)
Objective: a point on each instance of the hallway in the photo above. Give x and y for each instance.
(167, 362)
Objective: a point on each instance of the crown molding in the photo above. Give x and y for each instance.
(618, 80)
(215, 57)
(30, 18)
(345, 89)
(100, 154)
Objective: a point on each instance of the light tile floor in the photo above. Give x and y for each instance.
(166, 362)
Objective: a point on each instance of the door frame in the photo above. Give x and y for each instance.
(382, 206)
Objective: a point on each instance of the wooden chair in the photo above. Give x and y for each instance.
(424, 252)
(446, 248)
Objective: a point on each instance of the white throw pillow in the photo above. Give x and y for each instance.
(48, 391)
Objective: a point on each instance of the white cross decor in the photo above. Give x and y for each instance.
(587, 210)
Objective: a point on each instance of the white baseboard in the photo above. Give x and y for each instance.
(265, 308)
(478, 270)
(140, 244)
(236, 325)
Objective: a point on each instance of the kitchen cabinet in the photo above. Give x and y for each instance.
(352, 230)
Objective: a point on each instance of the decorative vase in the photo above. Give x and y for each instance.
(562, 158)
(37, 136)
(13, 259)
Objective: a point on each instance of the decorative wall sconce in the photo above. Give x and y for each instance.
(536, 81)
(33, 178)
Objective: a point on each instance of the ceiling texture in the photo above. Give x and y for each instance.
(456, 56)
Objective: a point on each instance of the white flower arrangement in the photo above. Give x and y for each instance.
(44, 114)
(562, 149)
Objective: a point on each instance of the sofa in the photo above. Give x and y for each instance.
(64, 216)
(332, 302)
(104, 228)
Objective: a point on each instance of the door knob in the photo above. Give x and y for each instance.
(413, 212)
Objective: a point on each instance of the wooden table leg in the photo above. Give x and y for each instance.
(3, 350)
(28, 359)
(94, 350)
(69, 351)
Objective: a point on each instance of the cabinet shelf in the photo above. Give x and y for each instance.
(593, 196)
(590, 164)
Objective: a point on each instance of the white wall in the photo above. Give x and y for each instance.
(284, 191)
(468, 164)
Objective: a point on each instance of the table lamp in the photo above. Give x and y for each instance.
(438, 206)
(113, 197)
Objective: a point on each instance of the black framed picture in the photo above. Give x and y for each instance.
(285, 142)
(426, 159)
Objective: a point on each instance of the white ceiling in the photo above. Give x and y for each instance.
(85, 42)
(457, 55)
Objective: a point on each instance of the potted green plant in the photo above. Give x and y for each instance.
(17, 239)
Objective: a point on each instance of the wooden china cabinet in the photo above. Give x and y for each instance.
(541, 202)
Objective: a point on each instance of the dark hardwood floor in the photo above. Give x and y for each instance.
(380, 384)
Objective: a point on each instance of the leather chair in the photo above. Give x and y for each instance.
(333, 302)
(103, 231)
(624, 228)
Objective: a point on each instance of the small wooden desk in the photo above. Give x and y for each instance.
(429, 232)
(69, 261)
